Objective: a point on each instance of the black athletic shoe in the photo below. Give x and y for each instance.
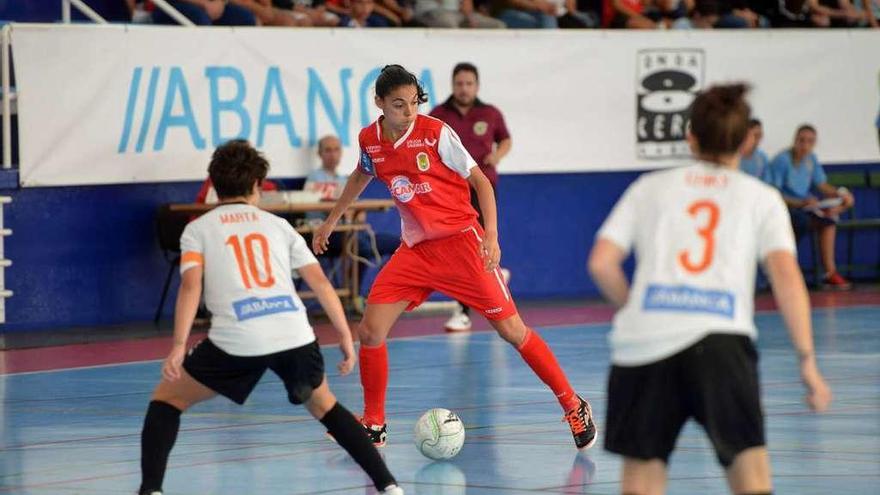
(377, 433)
(580, 420)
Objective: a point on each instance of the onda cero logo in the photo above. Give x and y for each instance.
(404, 190)
(668, 81)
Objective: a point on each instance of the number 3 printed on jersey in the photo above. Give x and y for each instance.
(689, 262)
(247, 263)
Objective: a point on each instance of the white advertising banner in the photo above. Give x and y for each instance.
(119, 104)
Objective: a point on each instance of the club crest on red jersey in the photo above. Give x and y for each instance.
(423, 162)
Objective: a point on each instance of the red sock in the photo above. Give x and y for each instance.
(542, 361)
(374, 378)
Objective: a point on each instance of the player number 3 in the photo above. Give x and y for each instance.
(707, 232)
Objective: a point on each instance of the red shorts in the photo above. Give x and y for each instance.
(451, 265)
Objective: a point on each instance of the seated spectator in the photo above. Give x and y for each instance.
(380, 16)
(797, 173)
(841, 13)
(453, 14)
(753, 160)
(666, 12)
(360, 14)
(397, 13)
(207, 13)
(591, 8)
(798, 14)
(326, 180)
(703, 16)
(872, 11)
(307, 12)
(626, 14)
(569, 17)
(330, 184)
(739, 14)
(526, 14)
(268, 15)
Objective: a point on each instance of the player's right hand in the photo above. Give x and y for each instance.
(349, 358)
(321, 237)
(818, 392)
(173, 363)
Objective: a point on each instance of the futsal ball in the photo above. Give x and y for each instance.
(439, 434)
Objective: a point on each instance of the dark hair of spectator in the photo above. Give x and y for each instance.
(805, 127)
(465, 67)
(707, 8)
(395, 76)
(720, 118)
(754, 123)
(235, 167)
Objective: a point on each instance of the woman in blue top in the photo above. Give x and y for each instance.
(797, 173)
(753, 160)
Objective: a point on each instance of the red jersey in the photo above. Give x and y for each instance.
(426, 172)
(609, 12)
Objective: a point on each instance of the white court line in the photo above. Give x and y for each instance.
(416, 337)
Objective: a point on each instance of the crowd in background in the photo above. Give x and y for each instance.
(491, 14)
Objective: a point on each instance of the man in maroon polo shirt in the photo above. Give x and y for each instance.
(484, 134)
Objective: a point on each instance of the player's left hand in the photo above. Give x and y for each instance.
(818, 396)
(491, 160)
(349, 358)
(173, 363)
(490, 251)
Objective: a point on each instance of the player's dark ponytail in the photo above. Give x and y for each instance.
(395, 76)
(720, 119)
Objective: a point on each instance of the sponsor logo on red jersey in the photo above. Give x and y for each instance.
(404, 190)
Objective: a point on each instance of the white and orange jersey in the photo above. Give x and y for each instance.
(426, 172)
(247, 255)
(698, 232)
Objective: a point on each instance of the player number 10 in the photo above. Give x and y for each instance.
(247, 262)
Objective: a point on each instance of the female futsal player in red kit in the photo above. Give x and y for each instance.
(428, 172)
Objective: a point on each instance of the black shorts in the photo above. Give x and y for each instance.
(804, 221)
(301, 369)
(714, 381)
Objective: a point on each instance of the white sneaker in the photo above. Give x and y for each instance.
(505, 274)
(393, 490)
(458, 322)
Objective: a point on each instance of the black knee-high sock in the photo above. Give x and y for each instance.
(157, 438)
(349, 433)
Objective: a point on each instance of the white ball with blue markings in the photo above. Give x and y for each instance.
(439, 434)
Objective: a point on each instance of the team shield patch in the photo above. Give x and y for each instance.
(423, 162)
(481, 127)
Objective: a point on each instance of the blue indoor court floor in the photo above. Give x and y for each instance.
(77, 431)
